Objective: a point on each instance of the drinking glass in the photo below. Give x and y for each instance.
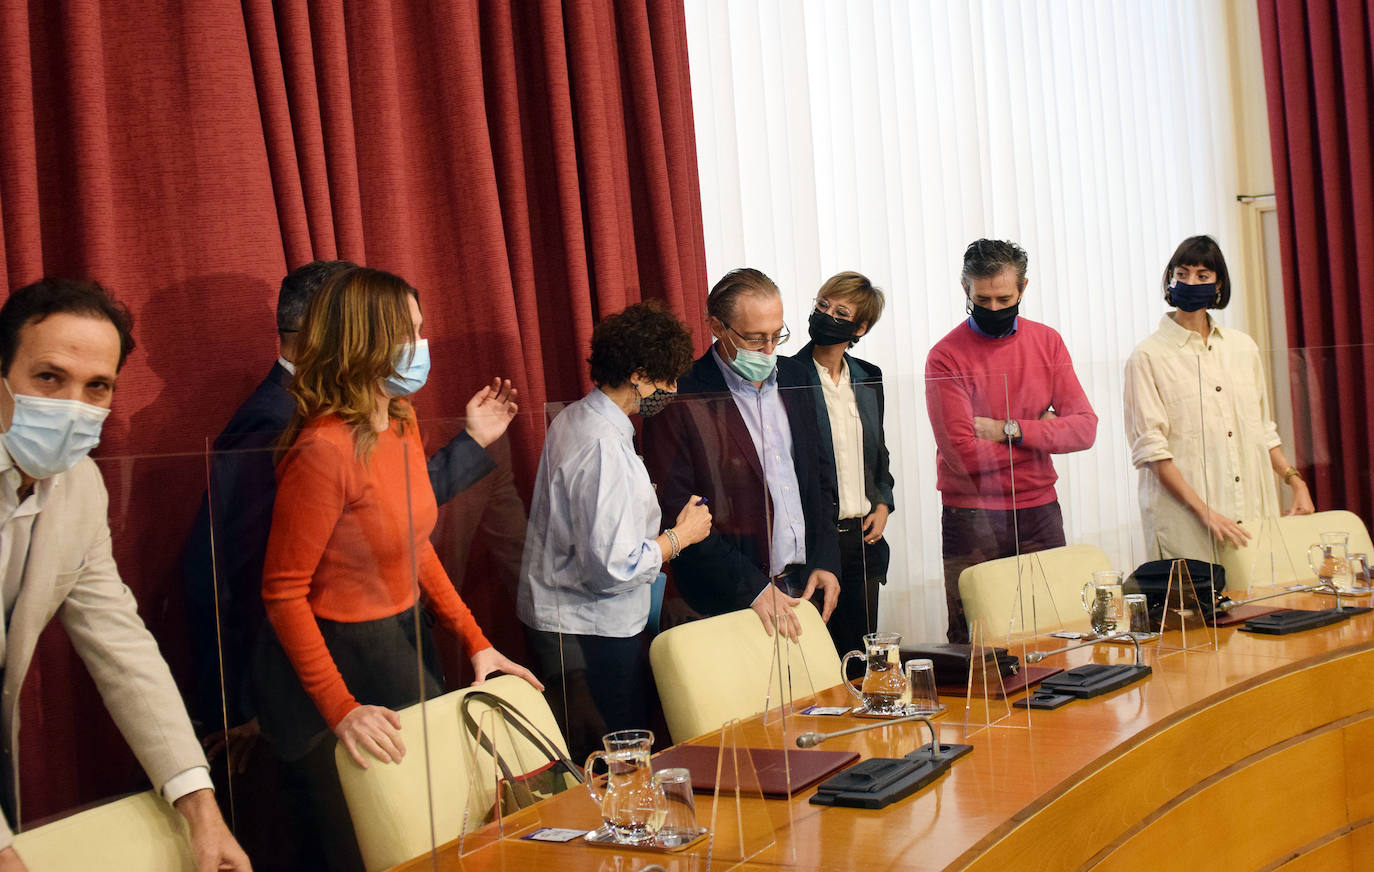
(680, 824)
(920, 681)
(1138, 613)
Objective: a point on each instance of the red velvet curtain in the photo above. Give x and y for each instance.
(1319, 76)
(528, 166)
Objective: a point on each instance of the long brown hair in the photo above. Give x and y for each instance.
(347, 344)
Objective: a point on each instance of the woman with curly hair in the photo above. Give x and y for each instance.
(594, 545)
(350, 536)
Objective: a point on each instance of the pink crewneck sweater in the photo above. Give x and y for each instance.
(1020, 376)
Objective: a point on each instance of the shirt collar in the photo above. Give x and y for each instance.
(1182, 335)
(736, 382)
(1015, 325)
(606, 408)
(10, 477)
(825, 373)
(286, 365)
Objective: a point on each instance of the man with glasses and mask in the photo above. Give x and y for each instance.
(753, 451)
(1002, 398)
(62, 344)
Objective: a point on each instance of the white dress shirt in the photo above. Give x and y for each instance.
(1202, 403)
(847, 436)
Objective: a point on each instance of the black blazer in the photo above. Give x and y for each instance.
(700, 444)
(867, 381)
(242, 489)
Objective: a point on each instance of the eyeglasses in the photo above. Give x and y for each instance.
(755, 343)
(844, 313)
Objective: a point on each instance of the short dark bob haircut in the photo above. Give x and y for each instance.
(643, 338)
(1200, 251)
(52, 296)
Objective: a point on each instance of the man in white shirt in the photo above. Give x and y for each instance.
(62, 344)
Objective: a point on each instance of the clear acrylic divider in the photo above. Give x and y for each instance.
(986, 702)
(120, 634)
(503, 803)
(223, 560)
(742, 822)
(997, 590)
(327, 591)
(1328, 457)
(508, 763)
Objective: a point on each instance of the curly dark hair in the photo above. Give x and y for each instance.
(644, 338)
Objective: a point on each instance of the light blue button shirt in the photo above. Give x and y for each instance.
(766, 418)
(590, 554)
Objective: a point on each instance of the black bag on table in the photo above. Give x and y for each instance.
(1152, 579)
(951, 660)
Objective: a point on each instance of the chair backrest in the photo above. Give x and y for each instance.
(1265, 561)
(719, 668)
(139, 833)
(989, 590)
(390, 803)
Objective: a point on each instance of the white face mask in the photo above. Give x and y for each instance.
(48, 436)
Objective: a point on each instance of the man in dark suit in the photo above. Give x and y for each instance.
(744, 434)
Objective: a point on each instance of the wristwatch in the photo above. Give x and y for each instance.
(1012, 430)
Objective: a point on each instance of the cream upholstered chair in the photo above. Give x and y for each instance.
(390, 802)
(719, 668)
(1264, 561)
(139, 833)
(989, 590)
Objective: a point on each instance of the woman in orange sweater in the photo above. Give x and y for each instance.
(350, 532)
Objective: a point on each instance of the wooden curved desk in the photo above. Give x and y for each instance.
(1258, 755)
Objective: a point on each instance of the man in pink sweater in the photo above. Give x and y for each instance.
(1002, 397)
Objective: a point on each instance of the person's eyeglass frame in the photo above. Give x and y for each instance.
(835, 310)
(755, 344)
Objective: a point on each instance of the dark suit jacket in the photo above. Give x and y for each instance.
(867, 381)
(700, 444)
(241, 491)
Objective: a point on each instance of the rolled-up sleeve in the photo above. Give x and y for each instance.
(1147, 418)
(1269, 430)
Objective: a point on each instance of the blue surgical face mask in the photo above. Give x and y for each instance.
(1190, 298)
(48, 436)
(754, 366)
(412, 369)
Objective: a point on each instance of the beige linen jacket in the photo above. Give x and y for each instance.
(71, 573)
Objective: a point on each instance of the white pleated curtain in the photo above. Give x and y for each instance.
(885, 136)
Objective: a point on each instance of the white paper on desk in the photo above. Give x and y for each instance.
(554, 834)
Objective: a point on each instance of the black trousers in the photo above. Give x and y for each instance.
(972, 536)
(862, 571)
(618, 677)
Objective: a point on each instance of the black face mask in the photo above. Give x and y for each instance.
(828, 330)
(654, 403)
(994, 323)
(1190, 298)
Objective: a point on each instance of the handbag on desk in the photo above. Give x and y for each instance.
(552, 771)
(1152, 579)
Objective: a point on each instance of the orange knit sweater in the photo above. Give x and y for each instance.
(343, 546)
